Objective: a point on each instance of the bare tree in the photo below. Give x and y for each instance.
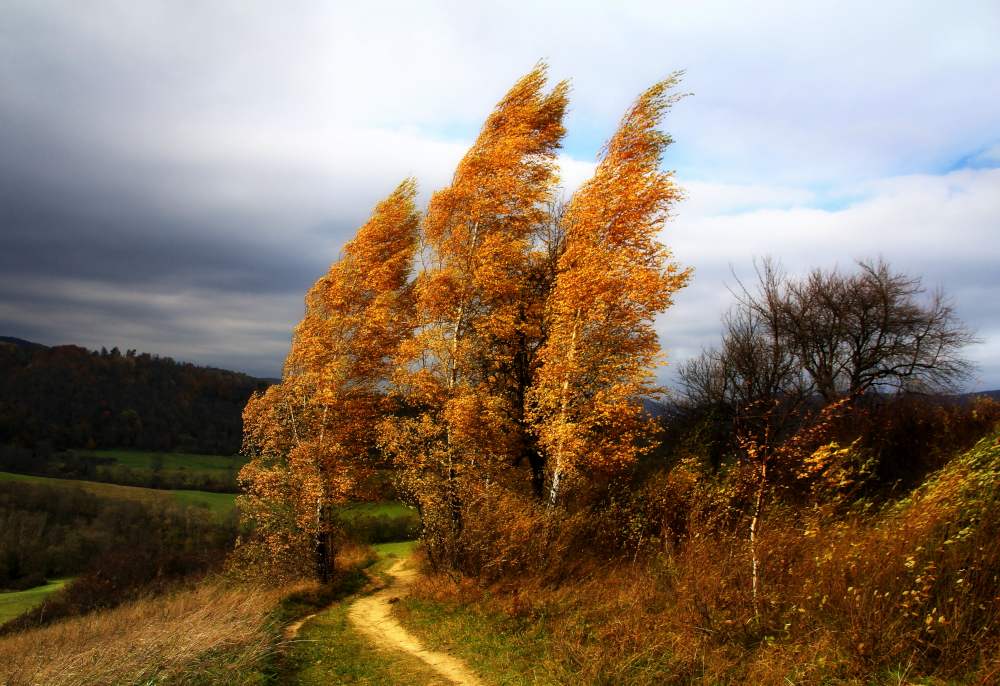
(796, 353)
(834, 334)
(871, 331)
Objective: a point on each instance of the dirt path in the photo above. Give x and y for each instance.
(371, 615)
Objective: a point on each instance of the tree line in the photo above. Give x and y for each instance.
(71, 398)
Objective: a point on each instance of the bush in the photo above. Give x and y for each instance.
(654, 584)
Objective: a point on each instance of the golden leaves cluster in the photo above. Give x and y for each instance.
(311, 437)
(525, 345)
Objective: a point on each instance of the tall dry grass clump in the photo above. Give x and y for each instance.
(210, 635)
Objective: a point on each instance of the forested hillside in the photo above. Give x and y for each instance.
(51, 532)
(69, 397)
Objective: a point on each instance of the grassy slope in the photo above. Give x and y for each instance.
(391, 509)
(14, 603)
(635, 625)
(387, 551)
(216, 465)
(220, 503)
(204, 636)
(513, 653)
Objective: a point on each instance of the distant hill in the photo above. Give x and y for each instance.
(19, 341)
(66, 397)
(993, 395)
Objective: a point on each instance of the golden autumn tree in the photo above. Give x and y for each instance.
(613, 278)
(311, 438)
(477, 313)
(520, 354)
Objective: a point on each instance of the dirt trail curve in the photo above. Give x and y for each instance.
(371, 615)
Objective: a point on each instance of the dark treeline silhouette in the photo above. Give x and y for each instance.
(71, 398)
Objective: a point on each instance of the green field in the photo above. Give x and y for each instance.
(215, 465)
(13, 603)
(390, 509)
(400, 550)
(220, 503)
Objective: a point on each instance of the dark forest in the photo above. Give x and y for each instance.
(70, 398)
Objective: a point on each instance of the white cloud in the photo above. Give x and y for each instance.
(943, 228)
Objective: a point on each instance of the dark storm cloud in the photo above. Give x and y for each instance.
(174, 175)
(55, 232)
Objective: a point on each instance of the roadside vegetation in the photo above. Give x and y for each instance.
(329, 650)
(206, 631)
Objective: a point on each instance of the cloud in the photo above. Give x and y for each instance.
(940, 227)
(210, 159)
(249, 332)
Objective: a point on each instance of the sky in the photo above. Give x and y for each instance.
(175, 175)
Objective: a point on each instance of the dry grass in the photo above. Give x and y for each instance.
(211, 635)
(905, 594)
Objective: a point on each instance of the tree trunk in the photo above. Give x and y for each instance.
(321, 544)
(754, 527)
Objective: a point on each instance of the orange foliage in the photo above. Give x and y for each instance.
(475, 310)
(612, 279)
(312, 436)
(527, 338)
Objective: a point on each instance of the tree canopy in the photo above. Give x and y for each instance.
(514, 364)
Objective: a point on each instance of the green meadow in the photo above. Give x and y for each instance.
(215, 465)
(389, 509)
(219, 503)
(13, 603)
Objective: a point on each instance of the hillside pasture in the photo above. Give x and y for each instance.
(214, 465)
(13, 603)
(219, 503)
(387, 508)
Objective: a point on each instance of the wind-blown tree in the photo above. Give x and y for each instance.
(612, 279)
(525, 342)
(312, 437)
(478, 312)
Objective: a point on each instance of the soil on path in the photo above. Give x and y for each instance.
(372, 616)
